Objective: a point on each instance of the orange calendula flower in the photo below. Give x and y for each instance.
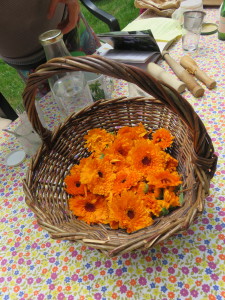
(129, 211)
(146, 189)
(98, 176)
(164, 179)
(143, 188)
(171, 163)
(132, 133)
(163, 138)
(76, 168)
(118, 163)
(152, 204)
(163, 204)
(87, 173)
(98, 139)
(146, 157)
(158, 193)
(114, 224)
(73, 185)
(91, 209)
(121, 146)
(171, 198)
(125, 179)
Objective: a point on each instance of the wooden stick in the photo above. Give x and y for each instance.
(160, 74)
(191, 66)
(184, 76)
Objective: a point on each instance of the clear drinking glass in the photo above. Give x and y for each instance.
(68, 91)
(101, 87)
(191, 29)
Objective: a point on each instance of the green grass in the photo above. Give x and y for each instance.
(11, 85)
(124, 11)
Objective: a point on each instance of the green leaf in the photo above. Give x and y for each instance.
(164, 211)
(181, 196)
(101, 155)
(146, 187)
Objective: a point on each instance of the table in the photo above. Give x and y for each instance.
(187, 266)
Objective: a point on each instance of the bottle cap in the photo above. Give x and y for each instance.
(50, 36)
(209, 28)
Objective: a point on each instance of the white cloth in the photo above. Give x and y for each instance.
(4, 123)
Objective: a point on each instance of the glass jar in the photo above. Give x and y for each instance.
(67, 88)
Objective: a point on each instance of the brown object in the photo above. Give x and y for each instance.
(160, 74)
(184, 76)
(212, 2)
(163, 8)
(44, 186)
(191, 66)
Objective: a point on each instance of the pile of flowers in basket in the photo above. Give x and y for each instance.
(128, 180)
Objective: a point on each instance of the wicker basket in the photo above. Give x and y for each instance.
(44, 187)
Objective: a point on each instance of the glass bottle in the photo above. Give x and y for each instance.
(221, 27)
(67, 88)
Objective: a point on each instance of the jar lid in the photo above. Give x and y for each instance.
(15, 158)
(50, 36)
(209, 28)
(190, 4)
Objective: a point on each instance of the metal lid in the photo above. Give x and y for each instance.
(209, 28)
(50, 36)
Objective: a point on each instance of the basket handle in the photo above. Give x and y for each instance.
(204, 151)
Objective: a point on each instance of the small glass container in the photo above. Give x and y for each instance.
(67, 88)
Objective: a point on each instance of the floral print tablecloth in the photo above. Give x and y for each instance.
(190, 265)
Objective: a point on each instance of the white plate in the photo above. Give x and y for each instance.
(15, 158)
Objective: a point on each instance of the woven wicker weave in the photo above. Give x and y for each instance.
(44, 187)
